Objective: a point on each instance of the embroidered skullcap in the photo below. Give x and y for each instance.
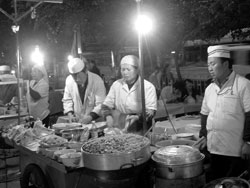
(130, 60)
(4, 68)
(76, 65)
(218, 51)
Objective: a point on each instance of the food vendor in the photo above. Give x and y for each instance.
(225, 116)
(123, 104)
(38, 94)
(83, 94)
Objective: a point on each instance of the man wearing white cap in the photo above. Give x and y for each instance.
(83, 94)
(225, 116)
(125, 97)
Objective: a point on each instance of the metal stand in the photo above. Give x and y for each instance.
(140, 49)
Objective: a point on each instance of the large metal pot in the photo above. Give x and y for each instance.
(178, 162)
(99, 158)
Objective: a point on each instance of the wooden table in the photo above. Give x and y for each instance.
(182, 124)
(175, 108)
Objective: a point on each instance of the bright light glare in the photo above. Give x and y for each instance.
(13, 72)
(173, 52)
(70, 57)
(37, 56)
(143, 24)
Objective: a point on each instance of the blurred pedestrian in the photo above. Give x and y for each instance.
(173, 93)
(167, 75)
(192, 95)
(156, 79)
(92, 67)
(38, 94)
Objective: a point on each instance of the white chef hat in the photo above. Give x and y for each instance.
(218, 51)
(4, 68)
(76, 65)
(130, 60)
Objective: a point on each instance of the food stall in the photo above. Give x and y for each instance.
(121, 160)
(42, 167)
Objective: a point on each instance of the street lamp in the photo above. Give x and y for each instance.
(37, 57)
(143, 25)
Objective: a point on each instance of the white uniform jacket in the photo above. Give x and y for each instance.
(225, 108)
(39, 108)
(130, 101)
(94, 96)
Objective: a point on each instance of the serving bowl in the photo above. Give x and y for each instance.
(58, 153)
(71, 159)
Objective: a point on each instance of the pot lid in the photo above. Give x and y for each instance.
(177, 155)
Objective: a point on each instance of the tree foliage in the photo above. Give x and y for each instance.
(108, 22)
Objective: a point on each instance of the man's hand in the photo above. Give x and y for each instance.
(86, 119)
(200, 143)
(110, 121)
(245, 151)
(72, 118)
(150, 113)
(130, 119)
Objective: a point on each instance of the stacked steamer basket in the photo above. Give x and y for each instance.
(178, 166)
(117, 161)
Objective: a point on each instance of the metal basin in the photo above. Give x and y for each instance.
(104, 160)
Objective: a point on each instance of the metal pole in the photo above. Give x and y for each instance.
(18, 62)
(140, 51)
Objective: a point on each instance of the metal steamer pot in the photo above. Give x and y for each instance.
(116, 161)
(178, 162)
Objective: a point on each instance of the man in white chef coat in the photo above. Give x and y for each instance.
(225, 116)
(84, 93)
(124, 98)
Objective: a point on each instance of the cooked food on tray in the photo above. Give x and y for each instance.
(52, 140)
(115, 144)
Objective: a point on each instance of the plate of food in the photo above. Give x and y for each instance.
(53, 141)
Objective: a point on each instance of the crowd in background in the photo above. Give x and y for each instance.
(173, 90)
